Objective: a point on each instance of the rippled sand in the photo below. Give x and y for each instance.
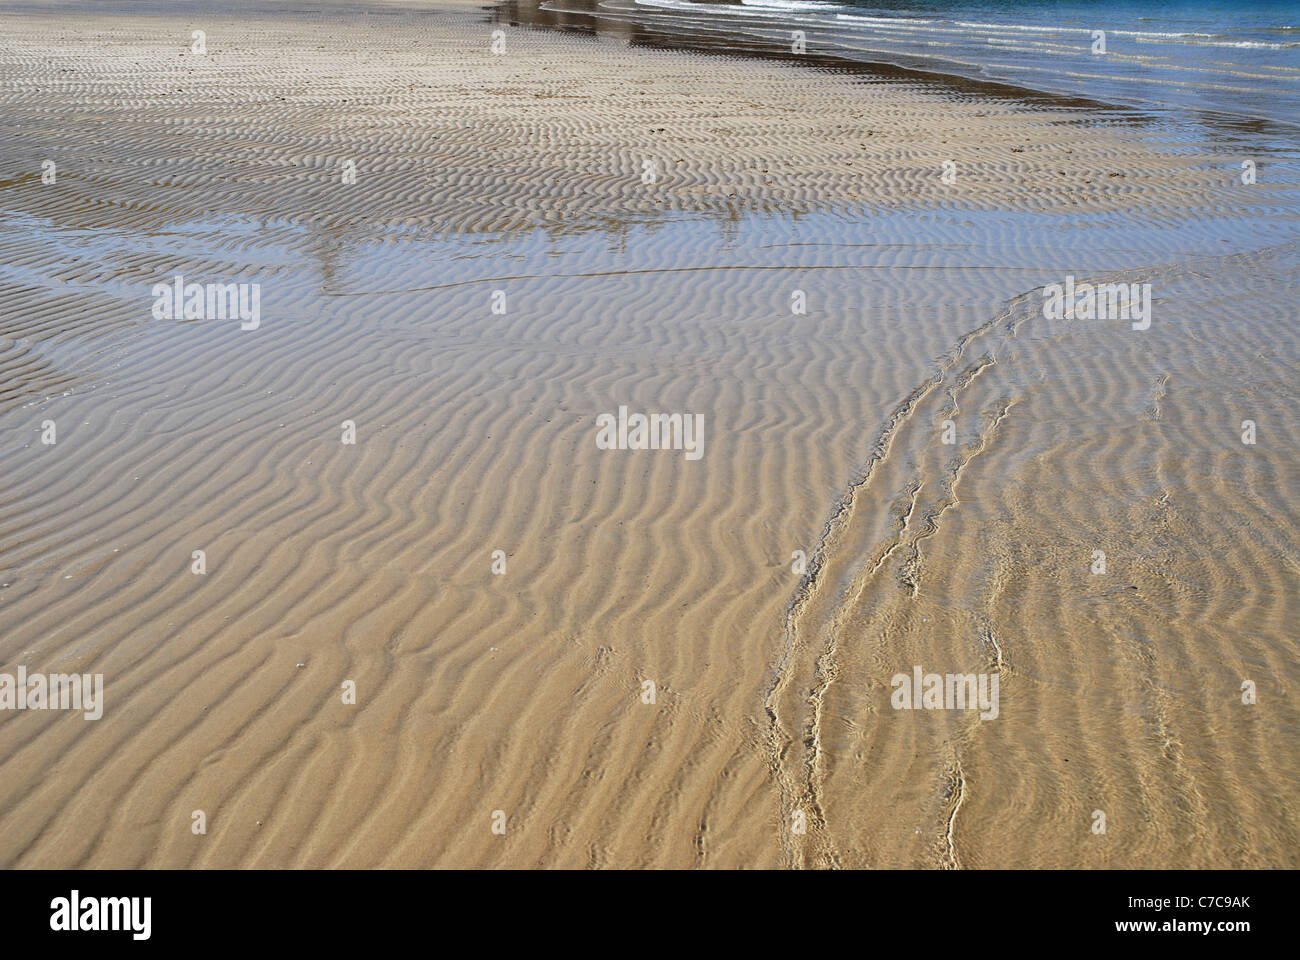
(523, 692)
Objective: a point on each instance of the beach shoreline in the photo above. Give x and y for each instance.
(471, 241)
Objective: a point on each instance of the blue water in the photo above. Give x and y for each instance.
(1230, 57)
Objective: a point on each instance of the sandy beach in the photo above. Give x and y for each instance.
(432, 622)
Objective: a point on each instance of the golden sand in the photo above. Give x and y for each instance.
(525, 692)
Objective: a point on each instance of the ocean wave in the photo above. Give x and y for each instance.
(809, 5)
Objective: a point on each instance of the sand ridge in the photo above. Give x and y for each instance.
(523, 692)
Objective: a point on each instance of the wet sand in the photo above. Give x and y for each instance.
(523, 692)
